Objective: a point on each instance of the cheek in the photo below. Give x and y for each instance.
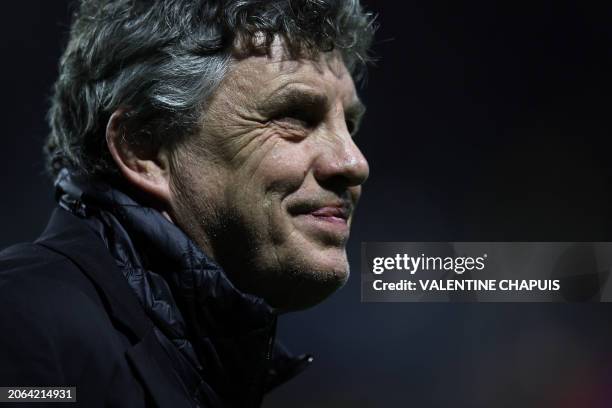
(277, 172)
(264, 181)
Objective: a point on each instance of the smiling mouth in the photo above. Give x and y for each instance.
(337, 210)
(328, 222)
(331, 214)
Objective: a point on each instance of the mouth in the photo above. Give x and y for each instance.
(330, 213)
(328, 222)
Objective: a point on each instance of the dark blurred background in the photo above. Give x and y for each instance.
(487, 121)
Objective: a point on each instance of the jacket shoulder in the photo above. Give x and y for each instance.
(37, 276)
(52, 320)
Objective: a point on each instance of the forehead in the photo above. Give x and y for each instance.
(265, 74)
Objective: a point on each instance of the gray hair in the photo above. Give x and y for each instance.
(161, 59)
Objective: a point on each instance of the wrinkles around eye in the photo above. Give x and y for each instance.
(290, 128)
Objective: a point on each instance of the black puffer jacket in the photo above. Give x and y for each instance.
(132, 312)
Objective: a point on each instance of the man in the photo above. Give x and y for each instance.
(206, 178)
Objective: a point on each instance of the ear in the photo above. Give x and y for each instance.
(147, 168)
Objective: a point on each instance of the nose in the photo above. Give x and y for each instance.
(341, 163)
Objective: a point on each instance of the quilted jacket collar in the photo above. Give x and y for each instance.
(222, 334)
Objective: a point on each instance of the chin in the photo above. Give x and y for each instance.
(303, 285)
(294, 274)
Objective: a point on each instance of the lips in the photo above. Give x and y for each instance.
(324, 221)
(337, 209)
(331, 213)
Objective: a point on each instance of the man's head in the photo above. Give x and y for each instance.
(234, 118)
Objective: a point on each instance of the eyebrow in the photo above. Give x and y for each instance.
(296, 96)
(310, 99)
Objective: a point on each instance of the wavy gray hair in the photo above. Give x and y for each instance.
(161, 59)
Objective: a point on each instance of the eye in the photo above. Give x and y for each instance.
(296, 117)
(352, 125)
(292, 121)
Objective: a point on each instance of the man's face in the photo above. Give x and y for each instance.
(269, 185)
